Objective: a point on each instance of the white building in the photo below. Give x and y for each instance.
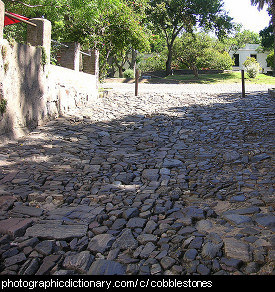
(250, 50)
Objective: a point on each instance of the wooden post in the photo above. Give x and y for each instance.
(243, 84)
(136, 82)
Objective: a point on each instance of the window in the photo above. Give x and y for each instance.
(253, 56)
(236, 58)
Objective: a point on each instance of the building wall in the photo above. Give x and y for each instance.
(247, 51)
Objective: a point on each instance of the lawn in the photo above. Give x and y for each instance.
(228, 77)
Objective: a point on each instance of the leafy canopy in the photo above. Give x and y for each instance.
(111, 26)
(171, 17)
(94, 23)
(199, 50)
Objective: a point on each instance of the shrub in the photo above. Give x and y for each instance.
(252, 67)
(270, 60)
(252, 70)
(129, 73)
(213, 59)
(153, 63)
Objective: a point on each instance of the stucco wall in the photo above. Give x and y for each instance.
(37, 93)
(251, 49)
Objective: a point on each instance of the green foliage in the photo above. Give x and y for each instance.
(267, 38)
(240, 39)
(172, 17)
(198, 51)
(3, 105)
(154, 63)
(213, 59)
(252, 67)
(44, 57)
(249, 61)
(260, 3)
(129, 73)
(6, 67)
(188, 49)
(4, 52)
(228, 77)
(252, 70)
(157, 43)
(107, 25)
(270, 60)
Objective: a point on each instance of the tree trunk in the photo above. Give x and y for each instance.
(112, 71)
(196, 71)
(134, 60)
(120, 70)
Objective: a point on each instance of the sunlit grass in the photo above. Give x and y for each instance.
(228, 77)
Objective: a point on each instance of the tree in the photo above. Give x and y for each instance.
(270, 60)
(171, 17)
(267, 38)
(199, 50)
(189, 48)
(260, 3)
(215, 59)
(271, 7)
(240, 39)
(107, 25)
(118, 32)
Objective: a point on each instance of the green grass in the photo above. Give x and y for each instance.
(228, 77)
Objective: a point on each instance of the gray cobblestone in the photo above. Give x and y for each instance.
(175, 181)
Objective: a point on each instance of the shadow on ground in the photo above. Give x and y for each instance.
(194, 156)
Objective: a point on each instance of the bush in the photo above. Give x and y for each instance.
(252, 70)
(129, 73)
(153, 63)
(215, 60)
(252, 67)
(270, 60)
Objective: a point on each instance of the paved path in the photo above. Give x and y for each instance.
(163, 183)
(187, 88)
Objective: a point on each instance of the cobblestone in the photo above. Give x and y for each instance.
(163, 183)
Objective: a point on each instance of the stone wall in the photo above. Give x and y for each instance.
(70, 89)
(70, 56)
(22, 85)
(36, 91)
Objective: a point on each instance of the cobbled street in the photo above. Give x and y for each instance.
(175, 181)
